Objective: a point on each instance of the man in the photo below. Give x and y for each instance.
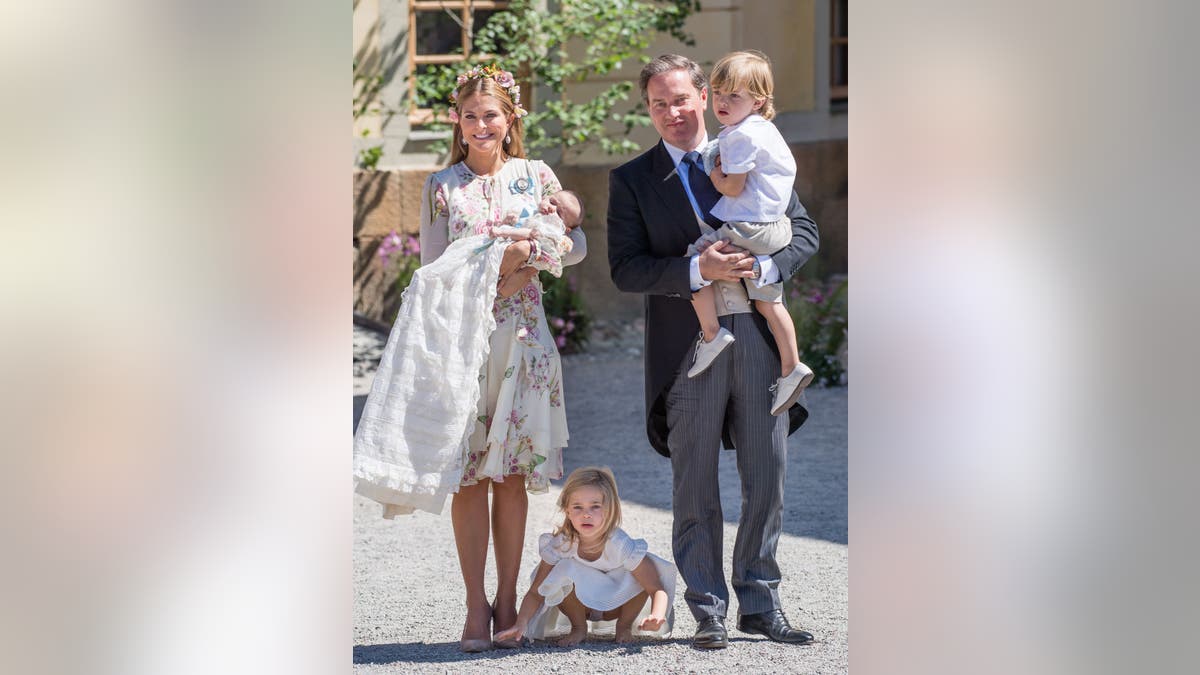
(654, 212)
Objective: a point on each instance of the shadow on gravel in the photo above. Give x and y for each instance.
(447, 652)
(606, 418)
(420, 652)
(605, 415)
(359, 403)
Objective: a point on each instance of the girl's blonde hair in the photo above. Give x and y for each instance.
(487, 86)
(750, 70)
(600, 478)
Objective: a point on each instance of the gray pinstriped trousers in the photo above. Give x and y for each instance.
(735, 386)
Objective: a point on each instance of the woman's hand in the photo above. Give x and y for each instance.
(515, 255)
(568, 207)
(512, 283)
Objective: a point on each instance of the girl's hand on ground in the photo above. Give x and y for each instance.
(514, 633)
(651, 623)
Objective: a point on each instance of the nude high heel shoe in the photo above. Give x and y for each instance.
(475, 645)
(501, 644)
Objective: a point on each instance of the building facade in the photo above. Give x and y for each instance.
(806, 40)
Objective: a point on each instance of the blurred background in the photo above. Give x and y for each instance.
(174, 210)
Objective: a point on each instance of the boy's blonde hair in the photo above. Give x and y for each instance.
(600, 478)
(749, 69)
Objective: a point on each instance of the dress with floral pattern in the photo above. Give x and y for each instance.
(520, 424)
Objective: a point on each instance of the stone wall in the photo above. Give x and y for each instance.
(390, 200)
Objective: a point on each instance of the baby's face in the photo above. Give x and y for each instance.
(733, 106)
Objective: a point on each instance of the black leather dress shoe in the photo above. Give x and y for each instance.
(711, 633)
(774, 625)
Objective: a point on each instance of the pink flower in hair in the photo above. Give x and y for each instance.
(453, 114)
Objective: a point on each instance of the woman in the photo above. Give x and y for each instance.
(512, 425)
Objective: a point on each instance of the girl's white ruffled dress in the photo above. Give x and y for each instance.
(469, 385)
(603, 584)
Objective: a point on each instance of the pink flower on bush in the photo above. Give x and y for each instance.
(556, 322)
(561, 341)
(389, 245)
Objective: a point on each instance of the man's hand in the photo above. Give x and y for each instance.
(570, 209)
(721, 261)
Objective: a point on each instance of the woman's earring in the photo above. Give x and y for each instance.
(507, 139)
(462, 139)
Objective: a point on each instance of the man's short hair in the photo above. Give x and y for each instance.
(667, 63)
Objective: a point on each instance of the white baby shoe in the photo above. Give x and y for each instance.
(787, 389)
(706, 352)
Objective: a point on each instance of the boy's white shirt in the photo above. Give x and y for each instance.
(756, 148)
(769, 273)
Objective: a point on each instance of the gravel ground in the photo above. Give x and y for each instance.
(408, 607)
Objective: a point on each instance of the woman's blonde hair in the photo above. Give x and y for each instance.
(602, 479)
(486, 86)
(750, 70)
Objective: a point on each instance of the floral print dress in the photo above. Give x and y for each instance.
(520, 426)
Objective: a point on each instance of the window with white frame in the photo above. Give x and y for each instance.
(441, 32)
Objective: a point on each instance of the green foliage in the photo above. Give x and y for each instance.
(368, 158)
(581, 39)
(818, 310)
(565, 312)
(366, 91)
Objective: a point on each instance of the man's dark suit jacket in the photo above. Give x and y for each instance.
(650, 225)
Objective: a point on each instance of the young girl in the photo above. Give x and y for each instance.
(755, 172)
(592, 570)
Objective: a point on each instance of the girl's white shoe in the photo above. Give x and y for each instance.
(788, 388)
(706, 352)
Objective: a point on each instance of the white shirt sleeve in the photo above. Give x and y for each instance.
(630, 551)
(770, 273)
(738, 151)
(697, 281)
(549, 548)
(579, 250)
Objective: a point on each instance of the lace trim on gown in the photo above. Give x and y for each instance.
(414, 433)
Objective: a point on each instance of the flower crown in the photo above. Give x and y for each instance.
(502, 77)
